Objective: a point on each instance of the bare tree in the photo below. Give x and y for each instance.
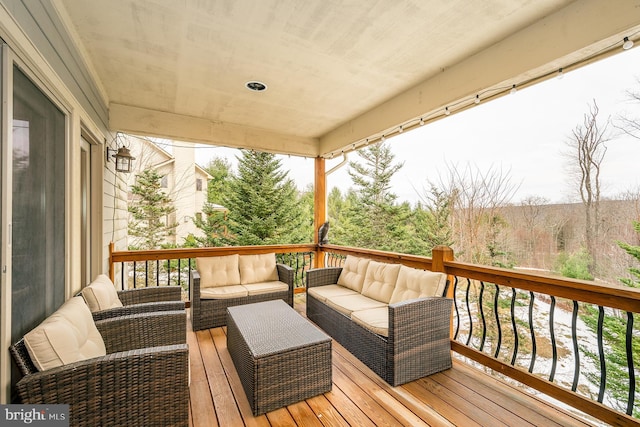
(627, 124)
(587, 151)
(531, 213)
(476, 197)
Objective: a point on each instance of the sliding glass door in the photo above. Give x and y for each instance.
(34, 212)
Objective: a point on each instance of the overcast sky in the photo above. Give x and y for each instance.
(524, 133)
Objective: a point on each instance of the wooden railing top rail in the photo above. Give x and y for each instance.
(156, 254)
(607, 295)
(614, 296)
(416, 261)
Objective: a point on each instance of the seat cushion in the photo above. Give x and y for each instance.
(322, 293)
(375, 319)
(413, 283)
(258, 268)
(349, 303)
(353, 272)
(266, 287)
(380, 281)
(68, 335)
(218, 271)
(223, 292)
(101, 294)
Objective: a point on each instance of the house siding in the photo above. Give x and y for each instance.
(37, 34)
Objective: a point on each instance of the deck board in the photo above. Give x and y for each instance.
(459, 396)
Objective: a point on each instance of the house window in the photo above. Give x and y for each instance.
(164, 182)
(198, 184)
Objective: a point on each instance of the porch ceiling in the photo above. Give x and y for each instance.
(337, 71)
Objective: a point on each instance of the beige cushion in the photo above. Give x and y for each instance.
(353, 272)
(218, 271)
(349, 303)
(223, 292)
(413, 283)
(322, 293)
(101, 294)
(380, 281)
(375, 319)
(258, 268)
(266, 287)
(68, 335)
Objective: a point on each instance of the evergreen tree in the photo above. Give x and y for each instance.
(220, 170)
(213, 224)
(634, 251)
(433, 222)
(339, 207)
(379, 222)
(264, 204)
(150, 209)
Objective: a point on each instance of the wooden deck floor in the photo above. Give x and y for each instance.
(461, 396)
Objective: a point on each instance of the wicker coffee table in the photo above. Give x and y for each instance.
(281, 358)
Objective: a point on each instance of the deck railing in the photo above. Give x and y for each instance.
(170, 267)
(572, 340)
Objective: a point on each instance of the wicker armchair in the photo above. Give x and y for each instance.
(142, 380)
(139, 300)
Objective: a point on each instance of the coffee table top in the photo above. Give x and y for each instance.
(271, 327)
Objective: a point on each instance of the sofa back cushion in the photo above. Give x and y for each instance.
(380, 281)
(353, 272)
(258, 268)
(218, 271)
(101, 294)
(413, 283)
(68, 335)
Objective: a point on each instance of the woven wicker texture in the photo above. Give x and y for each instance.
(131, 387)
(418, 343)
(281, 358)
(144, 300)
(212, 313)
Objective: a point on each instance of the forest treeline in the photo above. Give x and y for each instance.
(466, 208)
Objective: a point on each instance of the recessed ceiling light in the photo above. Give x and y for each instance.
(256, 86)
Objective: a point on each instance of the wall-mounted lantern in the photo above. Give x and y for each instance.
(124, 159)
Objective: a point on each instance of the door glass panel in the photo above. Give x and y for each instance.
(38, 216)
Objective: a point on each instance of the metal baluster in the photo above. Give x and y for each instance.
(632, 375)
(180, 272)
(189, 279)
(169, 272)
(146, 274)
(455, 305)
(157, 272)
(603, 364)
(469, 312)
(532, 298)
(574, 339)
(298, 272)
(554, 346)
(496, 301)
(514, 326)
(135, 275)
(484, 322)
(122, 284)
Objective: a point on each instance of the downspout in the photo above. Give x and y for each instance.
(339, 165)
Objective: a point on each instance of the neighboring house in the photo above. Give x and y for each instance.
(183, 180)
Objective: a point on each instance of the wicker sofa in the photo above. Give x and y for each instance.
(393, 318)
(226, 281)
(129, 370)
